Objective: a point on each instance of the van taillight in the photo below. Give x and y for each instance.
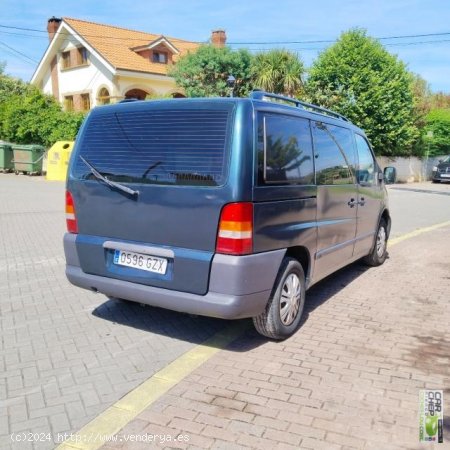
(235, 236)
(71, 220)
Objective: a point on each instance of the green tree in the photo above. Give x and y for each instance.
(438, 122)
(422, 99)
(357, 77)
(10, 86)
(204, 72)
(27, 116)
(279, 71)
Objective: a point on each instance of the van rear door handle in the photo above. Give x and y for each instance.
(351, 203)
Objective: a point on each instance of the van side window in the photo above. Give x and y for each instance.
(334, 154)
(284, 150)
(366, 170)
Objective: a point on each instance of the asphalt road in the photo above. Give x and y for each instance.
(418, 205)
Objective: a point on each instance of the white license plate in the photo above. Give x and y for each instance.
(445, 175)
(140, 261)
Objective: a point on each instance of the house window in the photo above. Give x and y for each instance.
(159, 57)
(68, 102)
(85, 102)
(82, 56)
(65, 59)
(73, 58)
(103, 97)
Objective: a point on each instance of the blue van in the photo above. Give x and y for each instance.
(223, 207)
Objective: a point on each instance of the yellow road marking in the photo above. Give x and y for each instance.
(417, 232)
(117, 416)
(112, 420)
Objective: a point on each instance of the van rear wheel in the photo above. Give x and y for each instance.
(284, 309)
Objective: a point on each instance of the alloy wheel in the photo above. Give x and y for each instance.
(290, 299)
(381, 242)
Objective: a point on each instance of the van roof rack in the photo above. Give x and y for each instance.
(258, 94)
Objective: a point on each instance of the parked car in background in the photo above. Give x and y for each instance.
(225, 207)
(441, 172)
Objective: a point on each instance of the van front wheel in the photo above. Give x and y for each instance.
(378, 254)
(284, 309)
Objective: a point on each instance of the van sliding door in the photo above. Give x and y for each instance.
(337, 197)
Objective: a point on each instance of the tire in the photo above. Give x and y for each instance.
(281, 318)
(378, 254)
(435, 181)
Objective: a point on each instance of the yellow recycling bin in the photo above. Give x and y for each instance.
(58, 160)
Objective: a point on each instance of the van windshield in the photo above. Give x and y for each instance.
(177, 146)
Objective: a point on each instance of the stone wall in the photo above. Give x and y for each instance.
(412, 169)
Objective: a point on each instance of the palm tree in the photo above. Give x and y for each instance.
(279, 71)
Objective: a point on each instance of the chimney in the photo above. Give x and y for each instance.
(218, 38)
(52, 26)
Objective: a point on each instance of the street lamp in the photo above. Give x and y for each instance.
(231, 82)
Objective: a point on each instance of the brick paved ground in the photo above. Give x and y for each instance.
(67, 354)
(350, 378)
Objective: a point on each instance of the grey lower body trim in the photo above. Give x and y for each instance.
(70, 250)
(213, 304)
(239, 286)
(241, 275)
(371, 235)
(341, 245)
(328, 250)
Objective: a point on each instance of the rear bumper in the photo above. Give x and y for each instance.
(239, 286)
(212, 304)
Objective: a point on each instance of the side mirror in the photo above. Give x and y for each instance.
(390, 175)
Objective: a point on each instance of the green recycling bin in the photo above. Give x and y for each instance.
(28, 159)
(6, 157)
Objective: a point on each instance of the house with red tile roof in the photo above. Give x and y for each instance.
(88, 64)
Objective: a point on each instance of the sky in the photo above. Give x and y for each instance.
(249, 21)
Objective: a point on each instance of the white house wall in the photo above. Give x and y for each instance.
(154, 85)
(97, 75)
(85, 79)
(47, 82)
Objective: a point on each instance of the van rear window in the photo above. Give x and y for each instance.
(156, 146)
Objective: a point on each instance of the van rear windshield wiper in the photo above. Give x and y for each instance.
(110, 183)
